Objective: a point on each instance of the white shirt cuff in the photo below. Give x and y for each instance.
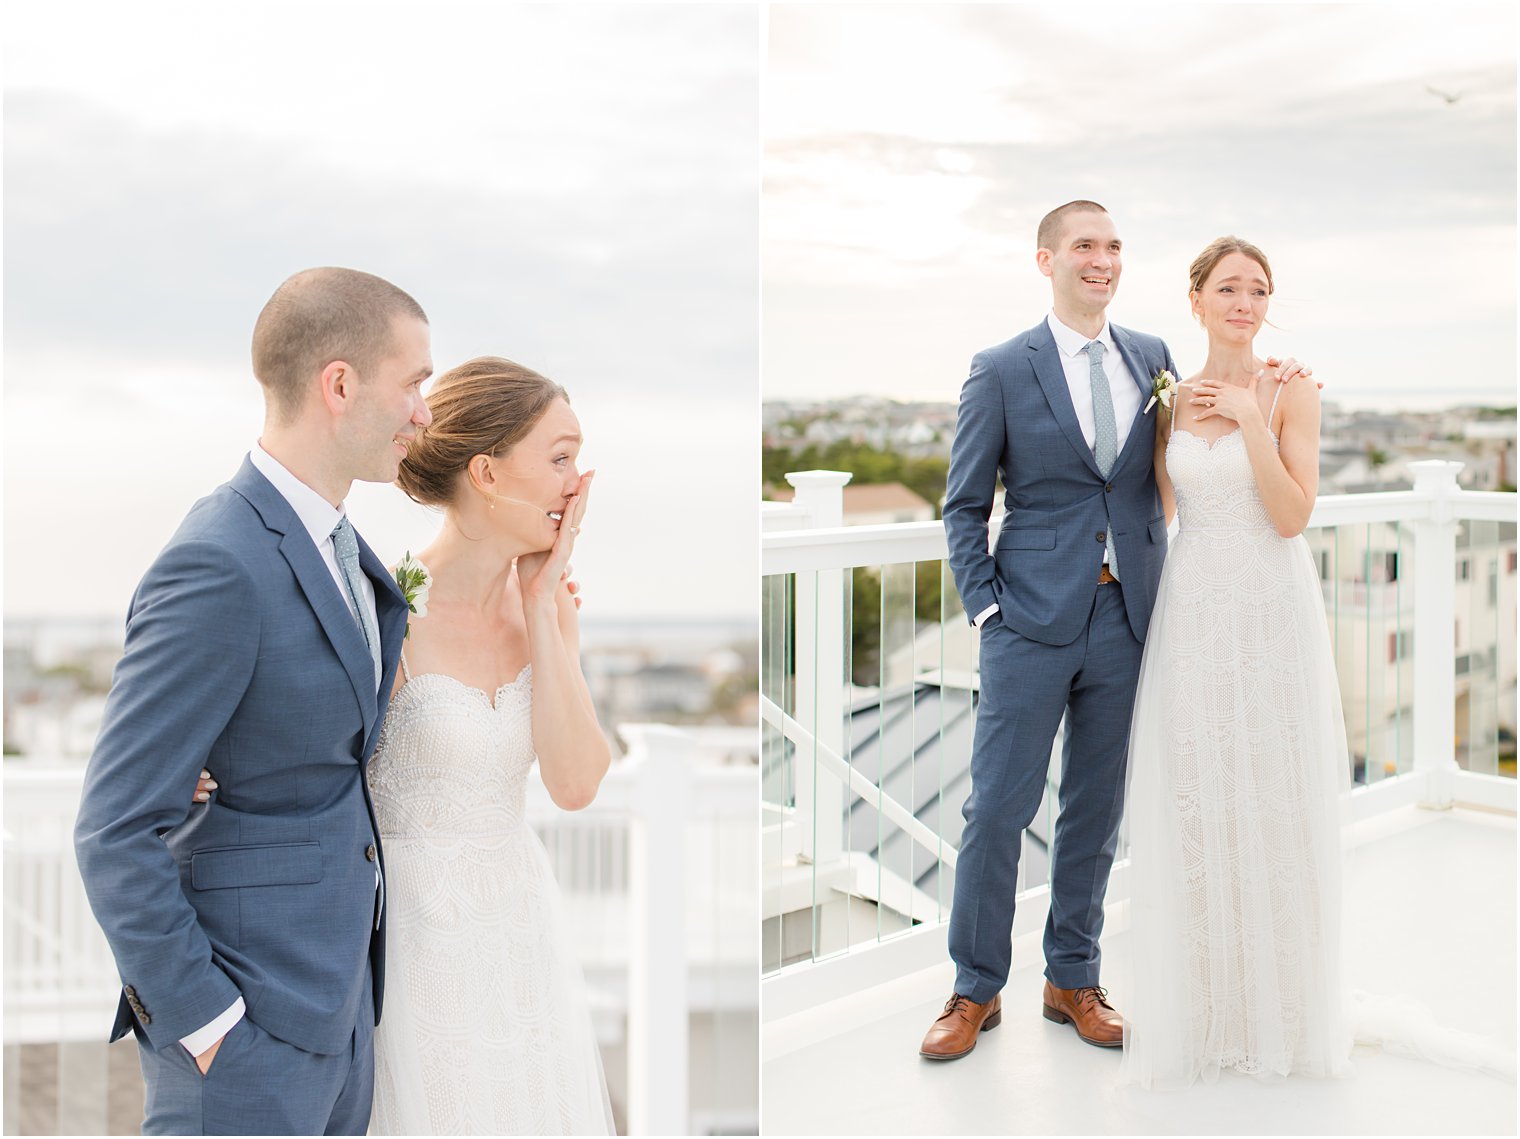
(202, 1039)
(984, 614)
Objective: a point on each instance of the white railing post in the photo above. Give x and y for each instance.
(820, 686)
(659, 1001)
(1435, 682)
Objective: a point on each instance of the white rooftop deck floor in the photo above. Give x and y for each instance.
(1431, 902)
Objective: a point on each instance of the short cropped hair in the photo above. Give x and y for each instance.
(322, 315)
(1050, 224)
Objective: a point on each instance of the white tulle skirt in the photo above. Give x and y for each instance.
(1237, 759)
(485, 1028)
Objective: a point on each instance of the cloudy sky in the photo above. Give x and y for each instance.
(912, 149)
(570, 186)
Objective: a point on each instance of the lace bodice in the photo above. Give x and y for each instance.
(1214, 484)
(486, 1030)
(451, 762)
(1213, 481)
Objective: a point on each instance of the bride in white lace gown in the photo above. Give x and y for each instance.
(1237, 746)
(485, 1027)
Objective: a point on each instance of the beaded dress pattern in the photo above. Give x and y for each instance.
(485, 1028)
(1237, 758)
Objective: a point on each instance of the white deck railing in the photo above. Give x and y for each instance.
(808, 780)
(657, 876)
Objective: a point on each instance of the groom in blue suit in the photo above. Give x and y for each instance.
(262, 645)
(1063, 602)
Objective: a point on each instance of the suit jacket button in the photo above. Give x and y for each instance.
(369, 852)
(131, 992)
(1102, 537)
(1108, 488)
(145, 1019)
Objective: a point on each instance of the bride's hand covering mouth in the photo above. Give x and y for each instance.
(539, 573)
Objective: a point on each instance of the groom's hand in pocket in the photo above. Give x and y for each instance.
(203, 1061)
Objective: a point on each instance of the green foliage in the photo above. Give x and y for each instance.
(866, 617)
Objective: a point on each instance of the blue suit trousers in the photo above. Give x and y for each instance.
(260, 1085)
(1026, 686)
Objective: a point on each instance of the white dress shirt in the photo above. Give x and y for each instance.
(1121, 385)
(318, 516)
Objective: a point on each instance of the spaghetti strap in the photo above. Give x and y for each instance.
(406, 673)
(1273, 411)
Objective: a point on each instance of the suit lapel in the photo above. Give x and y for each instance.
(1045, 358)
(391, 613)
(337, 619)
(317, 584)
(1141, 376)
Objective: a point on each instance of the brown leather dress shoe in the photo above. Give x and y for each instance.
(1088, 1010)
(954, 1033)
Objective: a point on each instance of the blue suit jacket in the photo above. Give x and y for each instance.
(242, 657)
(1016, 420)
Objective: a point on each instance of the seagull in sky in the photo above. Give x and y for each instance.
(1450, 98)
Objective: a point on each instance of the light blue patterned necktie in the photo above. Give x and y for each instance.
(346, 546)
(1105, 433)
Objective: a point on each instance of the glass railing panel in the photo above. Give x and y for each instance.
(1485, 652)
(777, 799)
(1363, 570)
(893, 698)
(1398, 638)
(897, 858)
(959, 645)
(832, 617)
(1378, 717)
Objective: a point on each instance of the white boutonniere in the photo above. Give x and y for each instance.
(1164, 388)
(414, 581)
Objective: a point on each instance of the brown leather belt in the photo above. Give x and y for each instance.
(1104, 577)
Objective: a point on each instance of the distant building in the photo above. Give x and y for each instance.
(875, 504)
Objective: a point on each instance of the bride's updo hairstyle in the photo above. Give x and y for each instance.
(483, 407)
(1217, 251)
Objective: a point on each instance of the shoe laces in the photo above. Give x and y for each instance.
(1092, 992)
(955, 1004)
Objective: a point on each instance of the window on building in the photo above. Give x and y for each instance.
(1400, 645)
(1391, 566)
(1464, 569)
